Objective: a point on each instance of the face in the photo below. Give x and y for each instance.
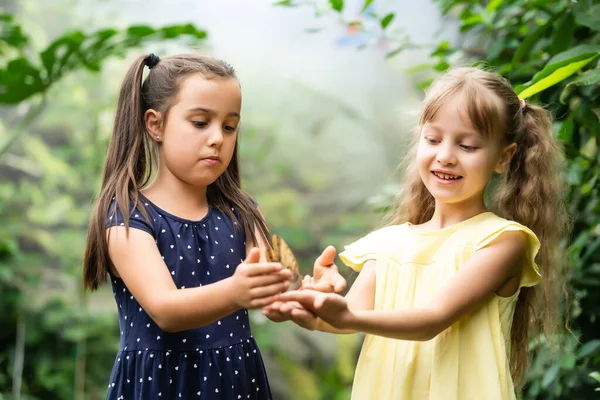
(198, 138)
(455, 162)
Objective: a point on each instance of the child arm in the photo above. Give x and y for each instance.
(486, 272)
(137, 261)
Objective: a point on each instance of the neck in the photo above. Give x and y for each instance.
(446, 214)
(176, 196)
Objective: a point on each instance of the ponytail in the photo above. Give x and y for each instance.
(531, 193)
(127, 168)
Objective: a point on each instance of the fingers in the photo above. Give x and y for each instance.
(274, 315)
(261, 268)
(320, 300)
(320, 286)
(339, 284)
(281, 311)
(253, 256)
(269, 290)
(303, 318)
(266, 280)
(335, 284)
(262, 302)
(327, 256)
(301, 313)
(305, 297)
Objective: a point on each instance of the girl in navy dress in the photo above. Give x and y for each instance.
(185, 275)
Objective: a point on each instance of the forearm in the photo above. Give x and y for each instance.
(191, 308)
(325, 327)
(419, 324)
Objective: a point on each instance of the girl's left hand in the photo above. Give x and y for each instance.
(291, 311)
(330, 307)
(326, 277)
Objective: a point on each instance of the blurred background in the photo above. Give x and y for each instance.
(331, 94)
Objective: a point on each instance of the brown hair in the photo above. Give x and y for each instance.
(131, 155)
(530, 192)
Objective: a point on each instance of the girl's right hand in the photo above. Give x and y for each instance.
(255, 284)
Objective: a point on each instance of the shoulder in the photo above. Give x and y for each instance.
(138, 215)
(491, 228)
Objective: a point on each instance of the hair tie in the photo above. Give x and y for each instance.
(151, 60)
(523, 104)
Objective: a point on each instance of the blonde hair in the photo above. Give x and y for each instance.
(530, 192)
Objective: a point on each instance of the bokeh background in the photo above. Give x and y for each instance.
(331, 95)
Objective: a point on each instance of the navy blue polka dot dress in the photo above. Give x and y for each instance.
(218, 361)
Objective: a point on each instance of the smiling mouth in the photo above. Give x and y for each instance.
(446, 176)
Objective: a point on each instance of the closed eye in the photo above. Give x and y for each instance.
(199, 124)
(230, 128)
(469, 148)
(432, 140)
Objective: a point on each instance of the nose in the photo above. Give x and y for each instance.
(215, 136)
(445, 154)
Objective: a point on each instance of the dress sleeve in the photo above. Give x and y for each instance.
(136, 218)
(356, 254)
(531, 274)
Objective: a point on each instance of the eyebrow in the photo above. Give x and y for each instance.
(461, 133)
(209, 111)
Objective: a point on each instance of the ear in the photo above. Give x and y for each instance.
(507, 154)
(154, 121)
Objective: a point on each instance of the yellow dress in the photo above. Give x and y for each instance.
(469, 360)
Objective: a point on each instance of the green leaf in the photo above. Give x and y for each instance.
(568, 362)
(395, 52)
(590, 148)
(550, 375)
(493, 5)
(587, 78)
(496, 48)
(441, 66)
(443, 49)
(140, 30)
(337, 5)
(283, 3)
(19, 80)
(588, 14)
(419, 67)
(565, 94)
(555, 77)
(561, 67)
(565, 133)
(387, 20)
(589, 348)
(562, 35)
(530, 41)
(366, 5)
(57, 55)
(575, 54)
(467, 23)
(11, 33)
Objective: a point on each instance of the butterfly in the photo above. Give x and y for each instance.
(280, 252)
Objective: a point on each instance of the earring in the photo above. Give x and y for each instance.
(157, 137)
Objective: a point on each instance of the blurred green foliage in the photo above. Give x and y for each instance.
(58, 343)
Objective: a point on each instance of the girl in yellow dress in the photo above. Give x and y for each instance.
(450, 292)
